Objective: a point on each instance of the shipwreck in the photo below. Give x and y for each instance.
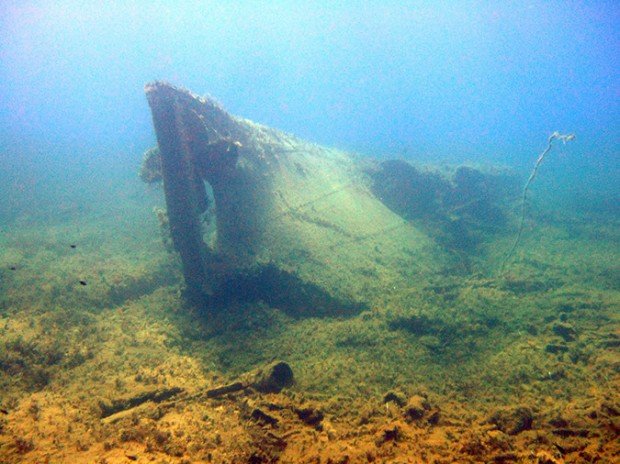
(258, 214)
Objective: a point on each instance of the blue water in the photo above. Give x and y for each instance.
(471, 303)
(430, 81)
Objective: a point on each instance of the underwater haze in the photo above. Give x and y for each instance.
(388, 232)
(455, 81)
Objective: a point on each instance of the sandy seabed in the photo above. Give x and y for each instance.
(471, 367)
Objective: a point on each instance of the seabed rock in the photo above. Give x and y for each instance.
(513, 421)
(416, 408)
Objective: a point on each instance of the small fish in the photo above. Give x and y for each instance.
(73, 246)
(4, 411)
(82, 282)
(13, 268)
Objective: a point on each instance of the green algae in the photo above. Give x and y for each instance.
(546, 328)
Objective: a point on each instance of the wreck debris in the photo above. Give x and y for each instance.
(310, 416)
(109, 408)
(271, 378)
(225, 390)
(556, 135)
(182, 186)
(150, 170)
(456, 211)
(513, 420)
(294, 219)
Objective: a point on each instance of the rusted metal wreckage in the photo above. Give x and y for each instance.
(255, 213)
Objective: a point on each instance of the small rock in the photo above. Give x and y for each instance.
(309, 416)
(531, 329)
(559, 422)
(498, 440)
(610, 341)
(568, 432)
(505, 458)
(329, 430)
(566, 307)
(433, 419)
(610, 409)
(513, 421)
(543, 457)
(416, 408)
(564, 330)
(556, 348)
(262, 418)
(389, 434)
(395, 397)
(554, 375)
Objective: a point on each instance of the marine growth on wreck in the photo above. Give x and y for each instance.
(295, 222)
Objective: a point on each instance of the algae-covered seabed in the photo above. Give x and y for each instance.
(451, 367)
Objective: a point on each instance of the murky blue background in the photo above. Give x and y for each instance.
(431, 81)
